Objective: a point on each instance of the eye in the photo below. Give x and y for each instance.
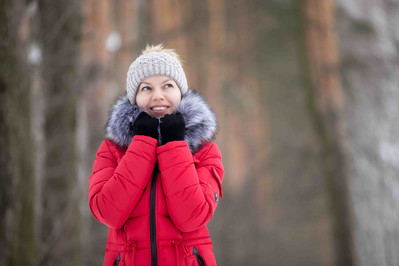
(168, 85)
(145, 88)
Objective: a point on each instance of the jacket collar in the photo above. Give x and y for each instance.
(201, 124)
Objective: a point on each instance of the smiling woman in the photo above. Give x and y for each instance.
(157, 177)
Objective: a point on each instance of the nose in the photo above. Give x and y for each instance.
(157, 94)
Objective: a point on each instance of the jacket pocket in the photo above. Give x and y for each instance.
(200, 260)
(195, 259)
(218, 181)
(117, 260)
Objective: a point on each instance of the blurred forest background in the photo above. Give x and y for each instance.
(306, 93)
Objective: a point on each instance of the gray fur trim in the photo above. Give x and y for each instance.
(201, 124)
(121, 118)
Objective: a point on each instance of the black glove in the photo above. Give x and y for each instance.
(146, 125)
(172, 127)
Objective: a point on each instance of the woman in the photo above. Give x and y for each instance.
(157, 177)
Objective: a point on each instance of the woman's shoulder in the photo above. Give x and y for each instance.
(109, 145)
(208, 148)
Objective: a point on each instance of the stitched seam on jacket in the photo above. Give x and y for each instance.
(109, 148)
(130, 182)
(194, 214)
(138, 154)
(174, 194)
(106, 167)
(176, 164)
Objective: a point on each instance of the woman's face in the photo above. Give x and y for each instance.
(158, 96)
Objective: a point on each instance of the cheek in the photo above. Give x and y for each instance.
(176, 101)
(177, 98)
(140, 101)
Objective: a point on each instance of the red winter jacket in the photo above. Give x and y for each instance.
(156, 200)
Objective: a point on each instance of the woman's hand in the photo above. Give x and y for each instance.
(172, 127)
(146, 125)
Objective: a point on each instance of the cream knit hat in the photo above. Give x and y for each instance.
(154, 61)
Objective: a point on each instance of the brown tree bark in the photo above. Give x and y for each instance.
(59, 34)
(326, 102)
(16, 160)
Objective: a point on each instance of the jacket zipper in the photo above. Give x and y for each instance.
(153, 236)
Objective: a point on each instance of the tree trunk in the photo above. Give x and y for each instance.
(16, 162)
(325, 103)
(368, 38)
(59, 33)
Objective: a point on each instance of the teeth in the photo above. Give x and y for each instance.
(158, 108)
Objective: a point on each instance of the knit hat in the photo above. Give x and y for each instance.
(154, 61)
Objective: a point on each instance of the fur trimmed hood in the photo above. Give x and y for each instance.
(201, 124)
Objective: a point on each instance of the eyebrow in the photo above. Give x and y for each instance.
(166, 80)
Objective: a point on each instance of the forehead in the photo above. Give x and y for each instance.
(157, 79)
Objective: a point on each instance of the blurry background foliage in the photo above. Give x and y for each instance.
(306, 93)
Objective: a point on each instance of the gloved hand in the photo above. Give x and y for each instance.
(172, 127)
(146, 125)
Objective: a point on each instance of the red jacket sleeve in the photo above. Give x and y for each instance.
(192, 186)
(115, 188)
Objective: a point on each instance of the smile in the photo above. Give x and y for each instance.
(159, 108)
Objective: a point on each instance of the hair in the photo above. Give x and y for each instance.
(159, 48)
